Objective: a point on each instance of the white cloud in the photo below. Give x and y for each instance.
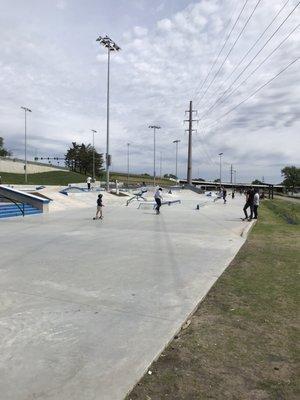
(61, 5)
(140, 31)
(165, 24)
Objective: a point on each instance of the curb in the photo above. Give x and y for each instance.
(248, 229)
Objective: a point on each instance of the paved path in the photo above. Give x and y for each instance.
(85, 306)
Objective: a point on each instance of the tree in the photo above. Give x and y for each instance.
(217, 180)
(291, 176)
(257, 182)
(3, 151)
(79, 158)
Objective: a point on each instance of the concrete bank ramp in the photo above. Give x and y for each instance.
(77, 200)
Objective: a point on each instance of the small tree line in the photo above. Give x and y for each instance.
(79, 158)
(3, 152)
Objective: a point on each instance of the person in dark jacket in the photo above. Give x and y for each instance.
(99, 207)
(249, 204)
(224, 194)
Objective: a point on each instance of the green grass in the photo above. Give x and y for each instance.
(138, 179)
(60, 178)
(242, 340)
(65, 177)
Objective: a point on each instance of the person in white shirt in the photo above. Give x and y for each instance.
(88, 181)
(158, 199)
(255, 204)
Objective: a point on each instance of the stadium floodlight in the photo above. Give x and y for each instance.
(26, 110)
(110, 45)
(154, 127)
(220, 155)
(176, 142)
(93, 131)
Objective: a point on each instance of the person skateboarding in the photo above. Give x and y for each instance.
(158, 199)
(99, 207)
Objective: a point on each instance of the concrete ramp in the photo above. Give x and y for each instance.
(20, 197)
(86, 306)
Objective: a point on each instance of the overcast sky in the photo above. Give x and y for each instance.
(50, 62)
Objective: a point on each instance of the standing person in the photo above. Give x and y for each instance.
(255, 203)
(99, 207)
(144, 188)
(224, 194)
(232, 193)
(158, 199)
(249, 203)
(88, 181)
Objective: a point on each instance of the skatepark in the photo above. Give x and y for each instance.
(86, 306)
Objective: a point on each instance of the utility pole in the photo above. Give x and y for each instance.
(231, 173)
(190, 131)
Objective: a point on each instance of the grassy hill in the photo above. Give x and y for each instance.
(62, 178)
(44, 178)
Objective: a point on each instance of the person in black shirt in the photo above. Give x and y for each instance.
(224, 194)
(249, 203)
(99, 207)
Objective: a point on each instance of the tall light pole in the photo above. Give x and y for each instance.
(25, 166)
(93, 131)
(154, 127)
(160, 165)
(220, 154)
(128, 145)
(234, 171)
(111, 46)
(176, 157)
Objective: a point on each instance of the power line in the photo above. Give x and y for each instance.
(232, 47)
(254, 44)
(256, 55)
(256, 91)
(222, 48)
(205, 151)
(220, 100)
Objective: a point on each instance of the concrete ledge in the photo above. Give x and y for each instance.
(27, 198)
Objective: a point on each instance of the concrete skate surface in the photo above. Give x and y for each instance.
(85, 306)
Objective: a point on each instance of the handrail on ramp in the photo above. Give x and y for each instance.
(153, 203)
(15, 203)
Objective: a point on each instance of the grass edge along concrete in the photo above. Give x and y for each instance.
(240, 342)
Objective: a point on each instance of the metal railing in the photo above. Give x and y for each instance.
(22, 209)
